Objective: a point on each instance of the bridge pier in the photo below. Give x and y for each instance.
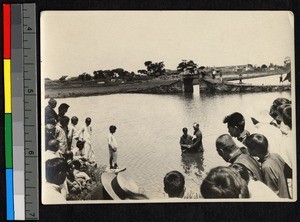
(187, 79)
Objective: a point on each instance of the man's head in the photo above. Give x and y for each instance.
(225, 146)
(287, 116)
(196, 126)
(56, 170)
(112, 129)
(62, 109)
(277, 103)
(88, 121)
(74, 120)
(53, 145)
(223, 182)
(52, 103)
(257, 145)
(235, 124)
(174, 184)
(64, 121)
(185, 131)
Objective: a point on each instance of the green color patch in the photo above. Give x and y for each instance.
(8, 141)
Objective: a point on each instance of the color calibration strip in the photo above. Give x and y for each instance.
(8, 111)
(20, 92)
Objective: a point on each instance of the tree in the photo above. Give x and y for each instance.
(142, 71)
(63, 78)
(187, 66)
(155, 69)
(264, 66)
(84, 77)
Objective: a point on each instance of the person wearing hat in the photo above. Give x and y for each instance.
(117, 187)
(50, 114)
(236, 126)
(197, 145)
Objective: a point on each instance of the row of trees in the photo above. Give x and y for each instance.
(155, 69)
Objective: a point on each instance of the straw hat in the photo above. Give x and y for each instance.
(118, 186)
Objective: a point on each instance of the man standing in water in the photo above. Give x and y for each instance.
(113, 147)
(197, 140)
(185, 140)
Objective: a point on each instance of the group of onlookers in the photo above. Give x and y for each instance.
(256, 169)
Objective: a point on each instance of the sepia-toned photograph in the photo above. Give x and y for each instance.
(167, 106)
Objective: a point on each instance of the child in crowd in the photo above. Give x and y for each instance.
(113, 147)
(174, 184)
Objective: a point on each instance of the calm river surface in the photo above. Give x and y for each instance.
(149, 127)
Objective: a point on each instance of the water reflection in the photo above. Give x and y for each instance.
(192, 163)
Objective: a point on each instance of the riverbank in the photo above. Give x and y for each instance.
(155, 86)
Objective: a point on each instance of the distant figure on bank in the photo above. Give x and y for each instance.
(174, 184)
(73, 133)
(257, 189)
(62, 132)
(272, 165)
(56, 173)
(62, 110)
(197, 145)
(280, 79)
(50, 114)
(240, 77)
(236, 126)
(224, 182)
(229, 151)
(85, 134)
(185, 140)
(113, 147)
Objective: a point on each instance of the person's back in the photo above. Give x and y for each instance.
(273, 174)
(251, 164)
(272, 165)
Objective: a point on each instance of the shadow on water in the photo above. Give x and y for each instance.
(192, 163)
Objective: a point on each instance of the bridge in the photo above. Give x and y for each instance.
(215, 85)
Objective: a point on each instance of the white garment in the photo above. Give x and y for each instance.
(260, 191)
(85, 134)
(52, 194)
(112, 142)
(287, 149)
(73, 133)
(51, 155)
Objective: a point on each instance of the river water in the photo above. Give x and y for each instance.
(149, 127)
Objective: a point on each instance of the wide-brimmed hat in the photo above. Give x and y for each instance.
(119, 187)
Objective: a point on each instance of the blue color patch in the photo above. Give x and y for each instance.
(10, 214)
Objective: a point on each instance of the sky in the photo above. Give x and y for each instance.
(73, 42)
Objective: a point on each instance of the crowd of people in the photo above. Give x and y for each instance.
(256, 169)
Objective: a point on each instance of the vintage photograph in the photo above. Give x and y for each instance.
(167, 106)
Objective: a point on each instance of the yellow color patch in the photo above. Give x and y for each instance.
(7, 86)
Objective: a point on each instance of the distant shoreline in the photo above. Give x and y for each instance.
(69, 90)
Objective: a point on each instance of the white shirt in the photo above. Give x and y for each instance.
(52, 194)
(260, 191)
(112, 142)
